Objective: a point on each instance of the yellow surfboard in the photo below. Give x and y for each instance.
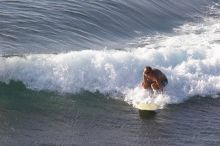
(147, 106)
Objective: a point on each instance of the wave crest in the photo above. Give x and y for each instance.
(190, 60)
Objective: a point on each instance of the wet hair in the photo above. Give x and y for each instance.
(148, 69)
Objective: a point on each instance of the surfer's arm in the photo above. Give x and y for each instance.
(146, 84)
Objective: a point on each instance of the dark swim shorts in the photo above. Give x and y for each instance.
(164, 82)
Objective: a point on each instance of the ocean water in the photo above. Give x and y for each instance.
(70, 72)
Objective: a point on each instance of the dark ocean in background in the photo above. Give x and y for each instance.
(70, 72)
(48, 26)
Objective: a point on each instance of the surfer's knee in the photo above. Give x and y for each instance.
(164, 82)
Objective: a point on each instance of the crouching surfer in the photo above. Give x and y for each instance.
(154, 79)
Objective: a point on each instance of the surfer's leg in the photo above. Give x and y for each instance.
(164, 82)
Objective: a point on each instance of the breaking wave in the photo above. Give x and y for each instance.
(189, 57)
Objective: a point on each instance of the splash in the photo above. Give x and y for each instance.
(189, 57)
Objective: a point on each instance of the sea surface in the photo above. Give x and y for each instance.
(70, 72)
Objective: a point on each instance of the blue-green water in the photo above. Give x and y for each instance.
(43, 118)
(70, 72)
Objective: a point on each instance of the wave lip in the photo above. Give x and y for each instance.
(71, 72)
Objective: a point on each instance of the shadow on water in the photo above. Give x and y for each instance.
(149, 115)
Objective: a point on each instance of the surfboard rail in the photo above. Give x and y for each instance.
(147, 106)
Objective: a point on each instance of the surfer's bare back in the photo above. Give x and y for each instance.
(154, 79)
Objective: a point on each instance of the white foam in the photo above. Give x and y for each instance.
(189, 57)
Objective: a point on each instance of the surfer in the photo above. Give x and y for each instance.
(154, 79)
